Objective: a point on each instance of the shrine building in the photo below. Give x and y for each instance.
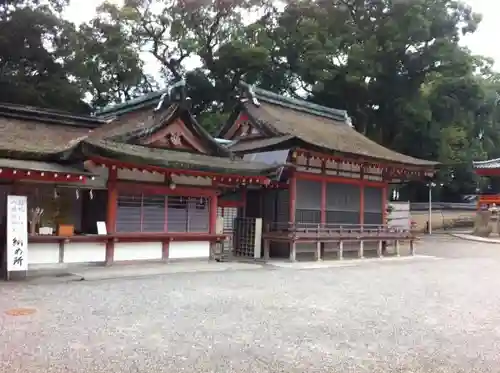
(143, 181)
(337, 179)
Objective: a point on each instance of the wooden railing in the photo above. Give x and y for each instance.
(334, 230)
(321, 234)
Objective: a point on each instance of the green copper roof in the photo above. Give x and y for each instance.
(149, 99)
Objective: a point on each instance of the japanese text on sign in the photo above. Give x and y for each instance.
(17, 233)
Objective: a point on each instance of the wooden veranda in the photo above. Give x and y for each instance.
(324, 235)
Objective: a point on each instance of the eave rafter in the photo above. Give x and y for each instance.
(389, 170)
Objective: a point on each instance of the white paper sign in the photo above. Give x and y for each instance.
(17, 233)
(101, 228)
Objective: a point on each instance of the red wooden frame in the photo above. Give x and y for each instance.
(240, 203)
(131, 237)
(338, 179)
(111, 213)
(225, 178)
(398, 169)
(487, 171)
(292, 190)
(325, 179)
(165, 225)
(153, 189)
(384, 205)
(223, 203)
(323, 194)
(212, 220)
(116, 187)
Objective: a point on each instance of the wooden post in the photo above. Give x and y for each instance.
(323, 194)
(165, 244)
(361, 252)
(317, 254)
(267, 245)
(111, 213)
(213, 215)
(164, 249)
(293, 251)
(292, 189)
(412, 247)
(384, 205)
(362, 198)
(340, 253)
(212, 225)
(293, 195)
(379, 249)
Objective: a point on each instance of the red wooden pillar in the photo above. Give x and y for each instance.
(384, 204)
(111, 213)
(323, 193)
(292, 188)
(213, 223)
(165, 245)
(362, 197)
(213, 215)
(244, 202)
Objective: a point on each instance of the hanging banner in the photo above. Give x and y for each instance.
(17, 233)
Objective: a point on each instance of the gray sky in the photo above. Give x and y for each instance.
(482, 42)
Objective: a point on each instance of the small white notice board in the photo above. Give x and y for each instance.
(101, 228)
(17, 233)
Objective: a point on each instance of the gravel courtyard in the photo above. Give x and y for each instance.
(423, 315)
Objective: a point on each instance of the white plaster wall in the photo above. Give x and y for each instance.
(84, 252)
(184, 250)
(138, 251)
(136, 175)
(191, 180)
(43, 253)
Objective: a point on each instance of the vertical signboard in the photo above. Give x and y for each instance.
(17, 233)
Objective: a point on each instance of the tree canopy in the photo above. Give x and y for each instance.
(396, 66)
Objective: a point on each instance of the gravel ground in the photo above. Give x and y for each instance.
(412, 316)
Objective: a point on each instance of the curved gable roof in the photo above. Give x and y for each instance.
(316, 125)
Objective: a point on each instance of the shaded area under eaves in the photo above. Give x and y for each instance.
(165, 158)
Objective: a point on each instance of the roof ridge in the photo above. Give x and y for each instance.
(297, 104)
(128, 105)
(487, 161)
(49, 116)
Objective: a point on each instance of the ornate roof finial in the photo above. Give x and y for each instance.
(251, 93)
(348, 120)
(160, 103)
(177, 91)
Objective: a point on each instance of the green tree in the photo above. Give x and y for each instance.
(214, 33)
(396, 66)
(31, 69)
(105, 60)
